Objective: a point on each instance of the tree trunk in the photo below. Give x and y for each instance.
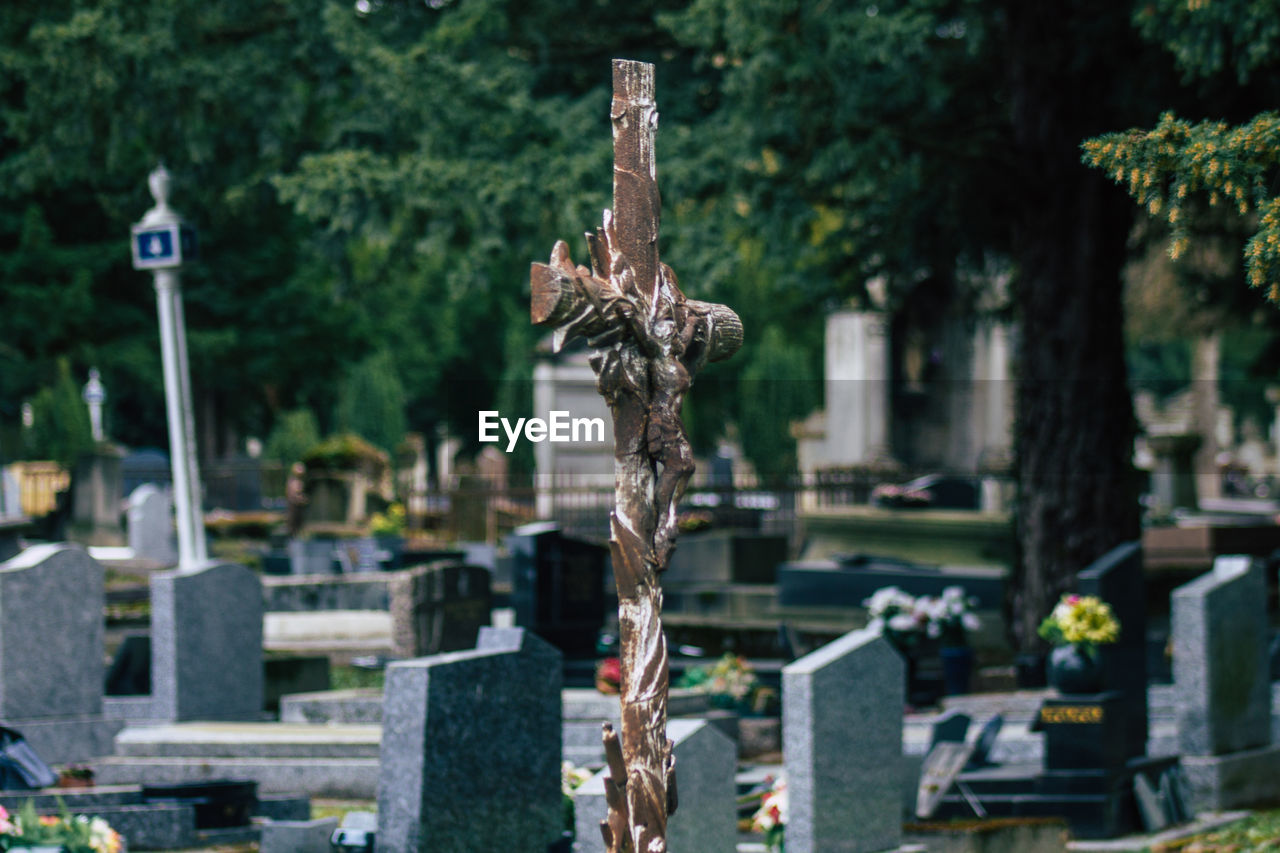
(1077, 494)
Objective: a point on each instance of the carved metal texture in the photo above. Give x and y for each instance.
(648, 343)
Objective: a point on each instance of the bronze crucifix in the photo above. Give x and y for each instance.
(649, 341)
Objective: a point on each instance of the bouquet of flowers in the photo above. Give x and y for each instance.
(951, 616)
(901, 617)
(75, 834)
(609, 676)
(731, 683)
(771, 818)
(1085, 621)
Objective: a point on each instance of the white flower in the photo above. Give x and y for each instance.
(902, 622)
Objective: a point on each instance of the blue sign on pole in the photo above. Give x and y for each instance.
(160, 246)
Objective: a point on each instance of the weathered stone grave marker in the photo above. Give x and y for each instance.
(1222, 685)
(842, 743)
(51, 669)
(152, 535)
(471, 744)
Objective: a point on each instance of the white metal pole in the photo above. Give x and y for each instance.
(186, 476)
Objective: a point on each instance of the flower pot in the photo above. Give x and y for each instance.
(1072, 669)
(957, 669)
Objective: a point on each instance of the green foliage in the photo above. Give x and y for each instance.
(1211, 36)
(779, 387)
(294, 434)
(60, 429)
(371, 402)
(1177, 161)
(343, 452)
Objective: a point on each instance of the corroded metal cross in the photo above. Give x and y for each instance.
(649, 341)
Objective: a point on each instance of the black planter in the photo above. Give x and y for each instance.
(1072, 669)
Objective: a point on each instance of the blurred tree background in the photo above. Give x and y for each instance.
(371, 179)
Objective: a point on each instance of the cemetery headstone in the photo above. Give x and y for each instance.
(471, 745)
(558, 587)
(206, 644)
(986, 741)
(10, 495)
(96, 493)
(130, 670)
(842, 742)
(726, 556)
(51, 669)
(297, 836)
(438, 608)
(145, 466)
(1117, 579)
(705, 821)
(152, 535)
(950, 727)
(11, 518)
(1222, 686)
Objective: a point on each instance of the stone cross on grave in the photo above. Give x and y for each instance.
(649, 341)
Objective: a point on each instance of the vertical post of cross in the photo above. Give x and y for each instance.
(648, 342)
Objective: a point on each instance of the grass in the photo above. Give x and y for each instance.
(321, 808)
(1258, 832)
(354, 677)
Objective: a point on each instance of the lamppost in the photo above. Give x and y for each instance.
(161, 241)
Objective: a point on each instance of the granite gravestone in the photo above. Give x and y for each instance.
(438, 608)
(471, 744)
(842, 741)
(151, 532)
(206, 644)
(1117, 579)
(706, 760)
(558, 587)
(51, 669)
(1222, 685)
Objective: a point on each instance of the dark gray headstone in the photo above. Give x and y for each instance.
(1117, 579)
(1220, 667)
(1151, 807)
(842, 741)
(51, 669)
(1173, 795)
(558, 586)
(206, 644)
(50, 634)
(439, 608)
(950, 727)
(130, 670)
(986, 741)
(471, 749)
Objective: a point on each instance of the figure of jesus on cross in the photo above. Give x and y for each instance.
(649, 341)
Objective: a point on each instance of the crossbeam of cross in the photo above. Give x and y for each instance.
(649, 341)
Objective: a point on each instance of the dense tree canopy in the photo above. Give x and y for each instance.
(372, 179)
